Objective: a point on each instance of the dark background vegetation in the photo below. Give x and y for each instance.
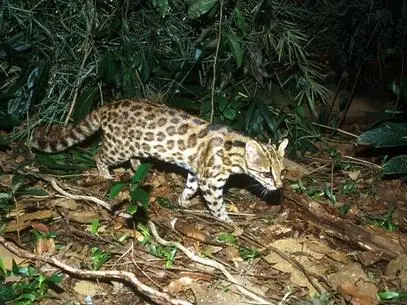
(277, 62)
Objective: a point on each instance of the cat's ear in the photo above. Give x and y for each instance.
(255, 156)
(282, 147)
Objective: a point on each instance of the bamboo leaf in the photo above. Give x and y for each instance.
(85, 102)
(200, 7)
(33, 191)
(236, 49)
(240, 20)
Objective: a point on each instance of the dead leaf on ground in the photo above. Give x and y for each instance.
(232, 254)
(40, 227)
(7, 257)
(92, 178)
(179, 285)
(25, 221)
(193, 231)
(66, 203)
(84, 216)
(354, 175)
(88, 288)
(45, 245)
(352, 282)
(398, 268)
(209, 295)
(357, 296)
(368, 258)
(304, 251)
(211, 249)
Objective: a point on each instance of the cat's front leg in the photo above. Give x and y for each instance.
(190, 189)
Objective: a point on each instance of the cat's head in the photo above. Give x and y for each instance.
(264, 162)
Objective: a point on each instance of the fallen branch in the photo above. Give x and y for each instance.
(326, 218)
(153, 294)
(209, 263)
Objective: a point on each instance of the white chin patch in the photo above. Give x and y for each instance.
(271, 188)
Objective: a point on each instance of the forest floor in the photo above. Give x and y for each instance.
(337, 234)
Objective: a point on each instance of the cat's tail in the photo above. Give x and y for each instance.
(68, 137)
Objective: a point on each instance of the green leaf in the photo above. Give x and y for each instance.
(3, 268)
(165, 202)
(137, 60)
(33, 191)
(389, 295)
(95, 225)
(141, 173)
(17, 181)
(22, 98)
(240, 20)
(115, 190)
(107, 68)
(235, 48)
(85, 102)
(230, 113)
(99, 257)
(200, 7)
(140, 195)
(328, 193)
(15, 268)
(162, 6)
(66, 162)
(28, 296)
(265, 113)
(390, 134)
(4, 141)
(56, 278)
(345, 209)
(132, 209)
(246, 253)
(396, 166)
(227, 238)
(5, 196)
(249, 116)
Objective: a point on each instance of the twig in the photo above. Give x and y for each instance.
(153, 294)
(336, 129)
(351, 160)
(215, 62)
(361, 161)
(207, 262)
(84, 197)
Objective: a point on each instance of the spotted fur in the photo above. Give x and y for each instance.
(210, 153)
